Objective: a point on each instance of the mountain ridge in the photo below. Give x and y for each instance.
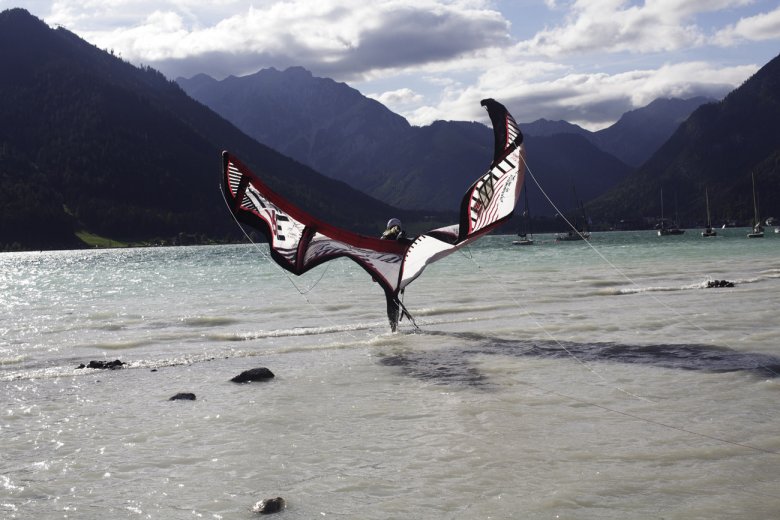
(123, 152)
(377, 151)
(718, 148)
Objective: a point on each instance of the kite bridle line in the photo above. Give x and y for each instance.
(587, 365)
(286, 274)
(260, 250)
(405, 312)
(563, 347)
(624, 275)
(608, 383)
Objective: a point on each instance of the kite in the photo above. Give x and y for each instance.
(299, 242)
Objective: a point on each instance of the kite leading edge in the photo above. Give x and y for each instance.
(299, 242)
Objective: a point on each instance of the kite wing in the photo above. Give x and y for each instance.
(299, 241)
(488, 202)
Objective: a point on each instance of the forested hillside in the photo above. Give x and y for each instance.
(718, 148)
(91, 143)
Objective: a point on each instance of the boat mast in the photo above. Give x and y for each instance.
(663, 223)
(755, 204)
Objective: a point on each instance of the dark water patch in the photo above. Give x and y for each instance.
(454, 366)
(448, 367)
(208, 321)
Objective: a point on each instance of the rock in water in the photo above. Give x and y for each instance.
(256, 374)
(719, 283)
(269, 505)
(183, 396)
(110, 365)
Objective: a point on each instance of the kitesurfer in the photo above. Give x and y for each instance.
(394, 231)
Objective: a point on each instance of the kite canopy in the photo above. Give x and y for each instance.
(298, 241)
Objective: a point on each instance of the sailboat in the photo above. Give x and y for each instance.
(578, 233)
(758, 230)
(663, 230)
(525, 235)
(708, 231)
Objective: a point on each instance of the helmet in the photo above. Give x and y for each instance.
(394, 222)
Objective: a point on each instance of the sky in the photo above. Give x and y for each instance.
(583, 61)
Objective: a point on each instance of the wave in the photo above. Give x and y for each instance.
(704, 284)
(456, 309)
(120, 345)
(208, 321)
(297, 331)
(13, 360)
(186, 359)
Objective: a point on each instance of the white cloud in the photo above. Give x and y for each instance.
(395, 98)
(435, 59)
(343, 39)
(764, 26)
(592, 100)
(620, 26)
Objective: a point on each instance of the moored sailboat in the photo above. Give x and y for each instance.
(663, 230)
(758, 229)
(577, 232)
(525, 237)
(708, 231)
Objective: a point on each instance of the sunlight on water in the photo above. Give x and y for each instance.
(543, 382)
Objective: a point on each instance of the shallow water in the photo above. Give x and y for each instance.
(550, 381)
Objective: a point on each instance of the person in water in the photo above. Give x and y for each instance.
(394, 231)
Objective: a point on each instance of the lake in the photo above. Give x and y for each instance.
(559, 380)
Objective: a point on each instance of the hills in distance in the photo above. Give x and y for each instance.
(90, 143)
(681, 146)
(339, 132)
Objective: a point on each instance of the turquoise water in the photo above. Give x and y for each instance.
(560, 380)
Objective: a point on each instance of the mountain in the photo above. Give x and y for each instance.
(635, 136)
(91, 143)
(639, 133)
(324, 124)
(718, 148)
(341, 133)
(546, 127)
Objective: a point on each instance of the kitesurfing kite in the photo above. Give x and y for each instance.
(298, 241)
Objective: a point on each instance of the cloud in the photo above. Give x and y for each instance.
(764, 26)
(620, 26)
(343, 39)
(592, 100)
(395, 98)
(435, 59)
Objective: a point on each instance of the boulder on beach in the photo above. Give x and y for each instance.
(104, 365)
(183, 396)
(269, 505)
(255, 374)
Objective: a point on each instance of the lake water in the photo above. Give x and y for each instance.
(552, 381)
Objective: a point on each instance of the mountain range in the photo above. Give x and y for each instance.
(636, 136)
(92, 144)
(719, 149)
(345, 135)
